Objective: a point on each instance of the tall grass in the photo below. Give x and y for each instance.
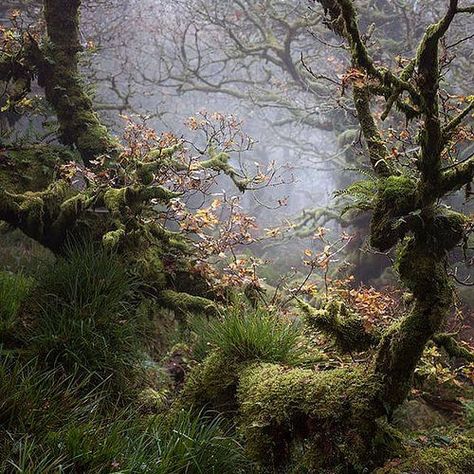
(248, 334)
(185, 443)
(36, 401)
(26, 456)
(86, 321)
(87, 280)
(14, 288)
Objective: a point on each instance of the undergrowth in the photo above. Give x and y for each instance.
(75, 364)
(86, 321)
(71, 378)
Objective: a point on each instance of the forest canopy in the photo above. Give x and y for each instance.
(236, 236)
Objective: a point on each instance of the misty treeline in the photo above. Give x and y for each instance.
(236, 236)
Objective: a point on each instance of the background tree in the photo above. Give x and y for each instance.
(250, 53)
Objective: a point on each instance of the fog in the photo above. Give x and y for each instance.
(278, 70)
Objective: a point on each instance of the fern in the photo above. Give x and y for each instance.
(361, 195)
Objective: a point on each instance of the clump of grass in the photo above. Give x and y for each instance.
(86, 321)
(190, 443)
(87, 279)
(186, 443)
(14, 289)
(26, 455)
(249, 334)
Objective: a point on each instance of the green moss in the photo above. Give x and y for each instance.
(336, 320)
(452, 347)
(457, 458)
(152, 400)
(186, 302)
(148, 265)
(396, 197)
(331, 412)
(219, 161)
(112, 239)
(58, 73)
(212, 384)
(421, 271)
(115, 199)
(447, 229)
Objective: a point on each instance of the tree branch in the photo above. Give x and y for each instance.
(428, 83)
(451, 126)
(455, 178)
(335, 320)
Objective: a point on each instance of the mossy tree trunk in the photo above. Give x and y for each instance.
(59, 75)
(406, 212)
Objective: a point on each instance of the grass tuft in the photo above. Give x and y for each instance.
(248, 335)
(86, 320)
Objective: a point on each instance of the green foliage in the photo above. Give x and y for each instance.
(190, 443)
(248, 334)
(13, 291)
(52, 422)
(85, 318)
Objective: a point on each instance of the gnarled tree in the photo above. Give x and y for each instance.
(336, 415)
(86, 187)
